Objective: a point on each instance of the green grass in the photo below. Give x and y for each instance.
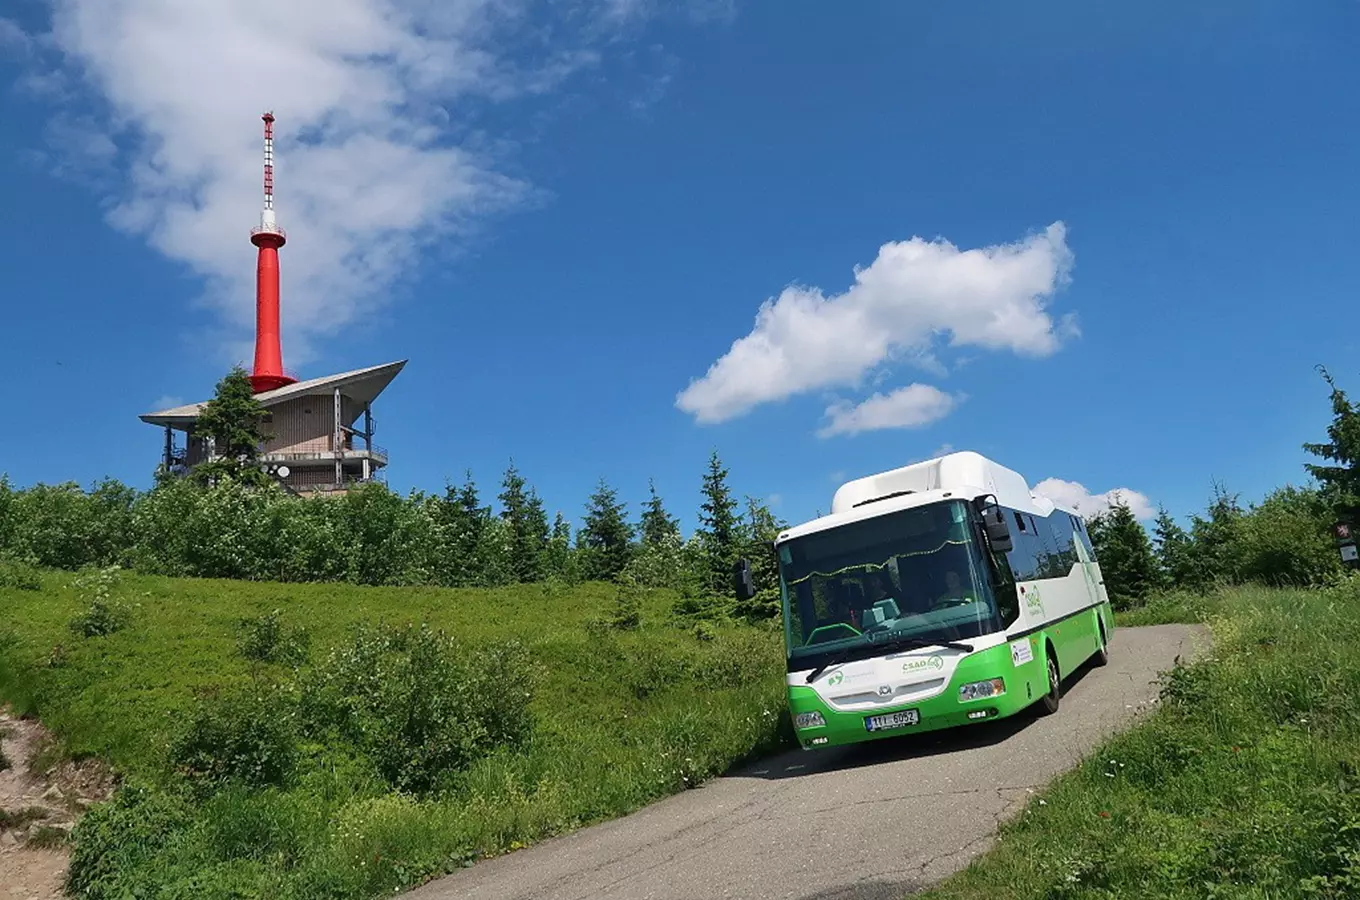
(1245, 784)
(47, 837)
(620, 717)
(18, 818)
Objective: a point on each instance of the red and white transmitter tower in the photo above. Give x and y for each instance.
(323, 440)
(269, 237)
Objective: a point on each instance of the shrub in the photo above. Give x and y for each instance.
(19, 574)
(418, 704)
(114, 839)
(266, 639)
(245, 737)
(1287, 541)
(105, 615)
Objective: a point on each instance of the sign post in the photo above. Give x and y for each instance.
(1350, 555)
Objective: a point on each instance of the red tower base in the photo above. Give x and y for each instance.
(261, 383)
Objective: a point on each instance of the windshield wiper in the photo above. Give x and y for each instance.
(834, 660)
(888, 646)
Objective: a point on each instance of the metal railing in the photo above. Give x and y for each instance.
(327, 455)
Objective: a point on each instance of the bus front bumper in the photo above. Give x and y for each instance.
(1024, 685)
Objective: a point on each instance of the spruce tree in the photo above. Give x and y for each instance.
(718, 526)
(463, 521)
(657, 526)
(559, 561)
(1173, 552)
(1340, 481)
(758, 529)
(1125, 554)
(233, 420)
(1216, 541)
(522, 511)
(605, 537)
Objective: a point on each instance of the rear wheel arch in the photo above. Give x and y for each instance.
(1048, 703)
(1101, 656)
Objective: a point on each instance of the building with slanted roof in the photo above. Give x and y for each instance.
(311, 424)
(320, 431)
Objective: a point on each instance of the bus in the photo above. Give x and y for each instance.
(935, 595)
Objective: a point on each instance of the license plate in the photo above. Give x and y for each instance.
(893, 720)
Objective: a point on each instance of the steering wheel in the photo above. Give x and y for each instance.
(828, 632)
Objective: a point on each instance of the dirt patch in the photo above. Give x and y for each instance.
(38, 807)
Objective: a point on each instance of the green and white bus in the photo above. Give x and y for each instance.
(935, 595)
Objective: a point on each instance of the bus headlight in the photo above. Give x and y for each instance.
(978, 689)
(809, 720)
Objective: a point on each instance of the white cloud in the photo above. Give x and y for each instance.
(377, 153)
(1075, 496)
(166, 401)
(914, 292)
(909, 407)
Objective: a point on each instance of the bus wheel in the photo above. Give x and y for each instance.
(1048, 704)
(1102, 654)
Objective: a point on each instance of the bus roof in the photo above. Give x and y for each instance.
(962, 475)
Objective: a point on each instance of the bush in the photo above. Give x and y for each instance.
(266, 639)
(105, 615)
(19, 574)
(245, 737)
(114, 839)
(419, 705)
(1287, 540)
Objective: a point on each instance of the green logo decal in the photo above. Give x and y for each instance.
(836, 678)
(1033, 602)
(921, 664)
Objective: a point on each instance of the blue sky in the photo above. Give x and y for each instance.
(564, 217)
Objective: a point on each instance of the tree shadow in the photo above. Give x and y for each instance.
(797, 763)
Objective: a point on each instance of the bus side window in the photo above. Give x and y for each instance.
(1025, 551)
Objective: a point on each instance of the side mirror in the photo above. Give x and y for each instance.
(998, 532)
(745, 585)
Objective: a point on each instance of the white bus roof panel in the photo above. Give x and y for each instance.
(953, 472)
(964, 475)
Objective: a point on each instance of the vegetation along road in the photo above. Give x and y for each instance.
(871, 821)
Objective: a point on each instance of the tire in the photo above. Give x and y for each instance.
(1102, 654)
(1048, 703)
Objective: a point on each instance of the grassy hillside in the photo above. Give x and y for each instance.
(1246, 783)
(280, 778)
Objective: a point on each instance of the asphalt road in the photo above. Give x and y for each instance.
(857, 823)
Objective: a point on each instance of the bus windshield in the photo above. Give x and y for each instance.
(916, 574)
